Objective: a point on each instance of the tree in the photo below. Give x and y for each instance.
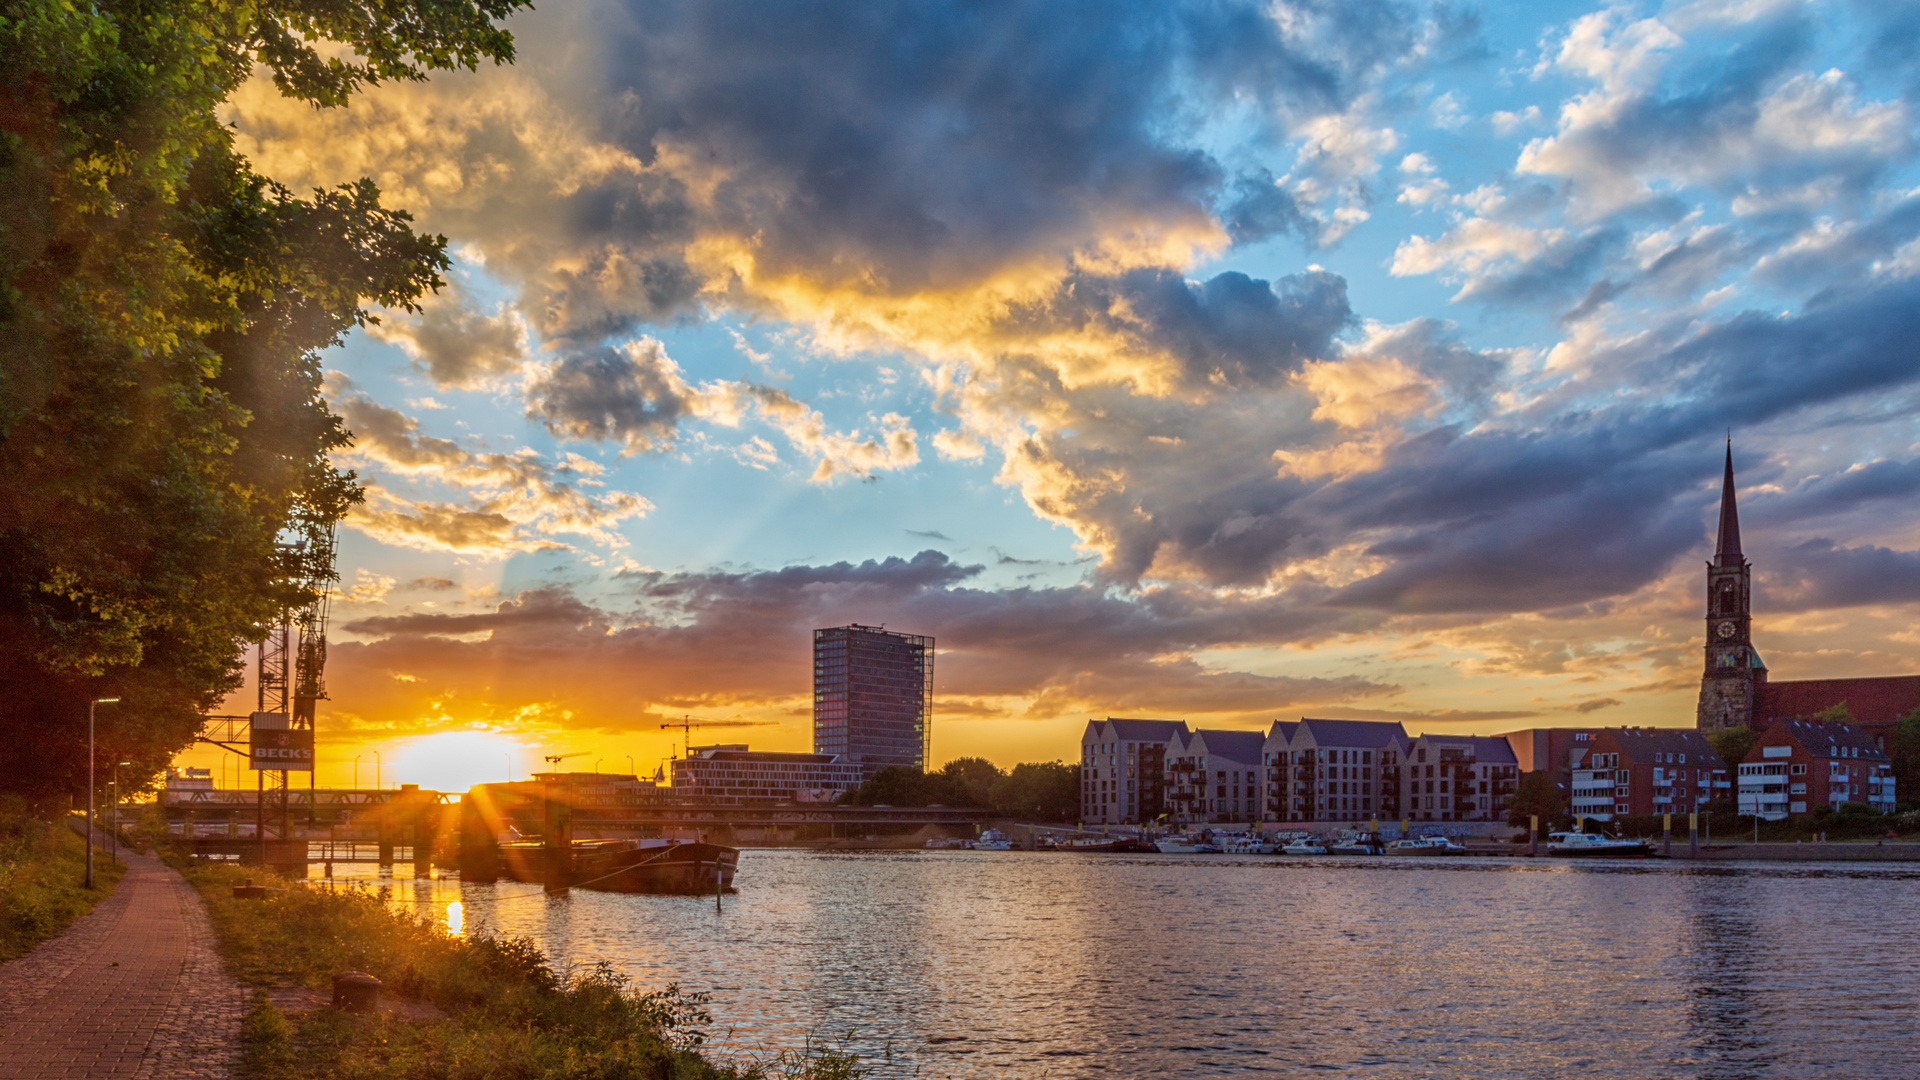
(1535, 794)
(1905, 752)
(163, 441)
(969, 781)
(1039, 791)
(1733, 745)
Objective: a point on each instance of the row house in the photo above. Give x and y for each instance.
(1797, 765)
(1333, 770)
(1213, 775)
(1123, 769)
(1459, 778)
(1638, 771)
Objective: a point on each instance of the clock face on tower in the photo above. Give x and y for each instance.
(1725, 630)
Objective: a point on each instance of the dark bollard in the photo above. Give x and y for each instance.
(249, 891)
(356, 991)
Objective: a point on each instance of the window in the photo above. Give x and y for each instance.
(1799, 770)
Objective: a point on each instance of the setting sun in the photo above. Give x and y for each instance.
(457, 760)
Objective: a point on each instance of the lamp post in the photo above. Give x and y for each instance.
(631, 769)
(91, 702)
(596, 765)
(356, 771)
(508, 755)
(376, 771)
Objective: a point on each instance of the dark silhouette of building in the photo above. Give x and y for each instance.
(872, 696)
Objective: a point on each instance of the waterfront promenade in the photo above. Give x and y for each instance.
(132, 989)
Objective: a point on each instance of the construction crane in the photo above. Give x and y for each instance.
(686, 724)
(555, 759)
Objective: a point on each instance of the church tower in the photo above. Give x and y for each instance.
(1733, 667)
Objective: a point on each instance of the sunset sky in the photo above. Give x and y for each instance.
(1226, 362)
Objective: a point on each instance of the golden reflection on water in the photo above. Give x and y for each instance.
(1073, 966)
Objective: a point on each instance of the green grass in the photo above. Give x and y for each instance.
(508, 1013)
(42, 876)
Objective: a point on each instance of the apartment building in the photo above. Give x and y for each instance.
(1213, 775)
(1123, 769)
(1799, 765)
(1333, 770)
(1458, 778)
(1633, 772)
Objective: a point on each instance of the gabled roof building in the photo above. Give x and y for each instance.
(1122, 769)
(1798, 766)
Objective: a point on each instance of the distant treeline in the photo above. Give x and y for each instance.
(1033, 791)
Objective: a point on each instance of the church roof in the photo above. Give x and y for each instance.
(1728, 551)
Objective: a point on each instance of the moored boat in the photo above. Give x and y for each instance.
(637, 866)
(1306, 845)
(1245, 844)
(1102, 844)
(1184, 845)
(992, 840)
(1589, 846)
(1426, 845)
(1357, 843)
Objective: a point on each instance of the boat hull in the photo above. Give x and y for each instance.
(685, 868)
(1612, 851)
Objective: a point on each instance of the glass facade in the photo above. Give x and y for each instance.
(872, 696)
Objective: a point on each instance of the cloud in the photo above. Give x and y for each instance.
(514, 502)
(458, 346)
(633, 394)
(738, 640)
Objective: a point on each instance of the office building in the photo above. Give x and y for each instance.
(732, 775)
(872, 696)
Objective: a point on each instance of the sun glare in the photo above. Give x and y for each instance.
(457, 760)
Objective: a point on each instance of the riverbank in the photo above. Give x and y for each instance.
(478, 1006)
(42, 880)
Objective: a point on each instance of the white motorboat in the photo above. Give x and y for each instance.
(1589, 846)
(992, 840)
(1427, 845)
(1357, 843)
(1184, 845)
(1245, 844)
(1306, 846)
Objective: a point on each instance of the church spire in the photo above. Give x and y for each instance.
(1728, 553)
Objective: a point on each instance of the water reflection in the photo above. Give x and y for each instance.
(974, 964)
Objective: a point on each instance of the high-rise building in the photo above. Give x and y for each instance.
(872, 696)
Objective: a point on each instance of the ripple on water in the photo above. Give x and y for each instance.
(977, 964)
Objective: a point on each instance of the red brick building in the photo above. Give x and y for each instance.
(1633, 772)
(1875, 703)
(1800, 765)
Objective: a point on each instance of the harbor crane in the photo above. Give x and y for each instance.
(555, 759)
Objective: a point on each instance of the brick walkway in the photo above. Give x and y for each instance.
(132, 989)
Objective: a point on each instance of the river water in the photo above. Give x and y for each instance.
(1014, 964)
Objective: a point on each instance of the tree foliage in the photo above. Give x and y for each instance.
(1042, 791)
(163, 440)
(1904, 749)
(1733, 745)
(1535, 794)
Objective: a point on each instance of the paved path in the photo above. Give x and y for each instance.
(132, 989)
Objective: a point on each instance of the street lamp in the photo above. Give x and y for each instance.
(356, 771)
(508, 754)
(376, 770)
(631, 769)
(596, 765)
(91, 702)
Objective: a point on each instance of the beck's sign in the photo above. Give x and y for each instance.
(274, 745)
